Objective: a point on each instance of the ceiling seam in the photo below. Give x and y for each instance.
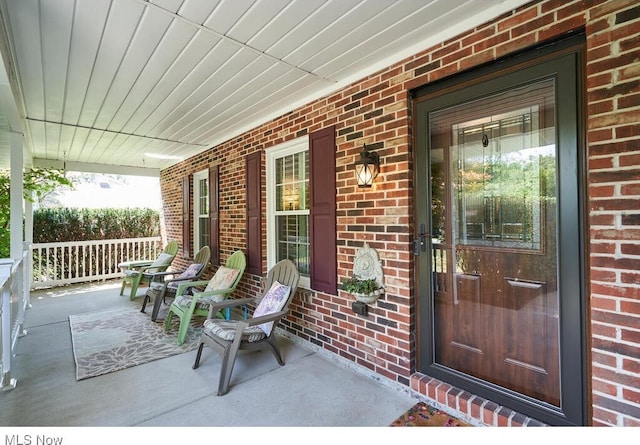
(125, 55)
(90, 80)
(76, 126)
(134, 82)
(234, 41)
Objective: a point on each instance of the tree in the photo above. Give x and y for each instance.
(38, 183)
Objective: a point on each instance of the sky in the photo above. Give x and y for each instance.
(110, 191)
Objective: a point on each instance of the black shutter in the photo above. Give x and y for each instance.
(214, 214)
(324, 262)
(186, 217)
(253, 176)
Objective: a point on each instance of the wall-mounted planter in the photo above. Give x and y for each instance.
(370, 297)
(367, 283)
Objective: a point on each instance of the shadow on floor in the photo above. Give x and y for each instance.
(310, 390)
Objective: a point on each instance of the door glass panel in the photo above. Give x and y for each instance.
(494, 256)
(497, 181)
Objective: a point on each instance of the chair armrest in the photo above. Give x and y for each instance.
(177, 280)
(214, 292)
(215, 307)
(154, 275)
(266, 318)
(198, 295)
(166, 272)
(135, 264)
(182, 287)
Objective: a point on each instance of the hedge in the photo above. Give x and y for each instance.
(70, 224)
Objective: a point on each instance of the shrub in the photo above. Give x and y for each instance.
(70, 224)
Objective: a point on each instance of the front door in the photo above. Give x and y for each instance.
(502, 158)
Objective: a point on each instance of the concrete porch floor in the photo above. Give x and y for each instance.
(310, 390)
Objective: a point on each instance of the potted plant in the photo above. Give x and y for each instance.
(364, 290)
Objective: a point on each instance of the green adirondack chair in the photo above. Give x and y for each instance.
(162, 287)
(137, 273)
(223, 283)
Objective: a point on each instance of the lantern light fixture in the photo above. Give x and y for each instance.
(367, 167)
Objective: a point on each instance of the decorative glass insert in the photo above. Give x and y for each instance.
(497, 172)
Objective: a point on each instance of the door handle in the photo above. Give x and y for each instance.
(420, 244)
(423, 237)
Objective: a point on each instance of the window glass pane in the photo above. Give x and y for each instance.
(288, 207)
(203, 208)
(499, 180)
(292, 182)
(303, 181)
(201, 236)
(293, 240)
(204, 231)
(303, 259)
(280, 198)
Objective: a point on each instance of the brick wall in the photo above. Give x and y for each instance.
(613, 94)
(376, 111)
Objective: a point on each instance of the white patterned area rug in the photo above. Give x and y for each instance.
(111, 340)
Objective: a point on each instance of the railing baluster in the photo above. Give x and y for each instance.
(75, 260)
(48, 262)
(82, 261)
(67, 260)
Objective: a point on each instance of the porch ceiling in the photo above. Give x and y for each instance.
(110, 85)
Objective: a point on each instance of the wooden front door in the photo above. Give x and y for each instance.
(500, 286)
(493, 163)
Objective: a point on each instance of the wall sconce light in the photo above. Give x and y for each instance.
(367, 167)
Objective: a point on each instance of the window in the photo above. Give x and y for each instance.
(498, 170)
(201, 236)
(288, 206)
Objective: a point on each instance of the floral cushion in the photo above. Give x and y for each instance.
(223, 279)
(191, 272)
(226, 329)
(273, 301)
(164, 259)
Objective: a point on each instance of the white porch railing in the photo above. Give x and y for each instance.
(14, 300)
(57, 264)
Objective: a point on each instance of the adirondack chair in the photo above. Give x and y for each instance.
(163, 287)
(223, 283)
(227, 337)
(138, 273)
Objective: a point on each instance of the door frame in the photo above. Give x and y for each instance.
(564, 60)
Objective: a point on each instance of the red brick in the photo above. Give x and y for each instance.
(613, 166)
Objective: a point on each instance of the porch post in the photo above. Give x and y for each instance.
(16, 166)
(17, 186)
(28, 256)
(6, 382)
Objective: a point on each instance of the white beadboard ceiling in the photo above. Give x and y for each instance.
(134, 86)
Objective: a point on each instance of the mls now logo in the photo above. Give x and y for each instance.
(28, 439)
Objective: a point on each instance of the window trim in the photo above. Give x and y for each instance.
(197, 177)
(287, 148)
